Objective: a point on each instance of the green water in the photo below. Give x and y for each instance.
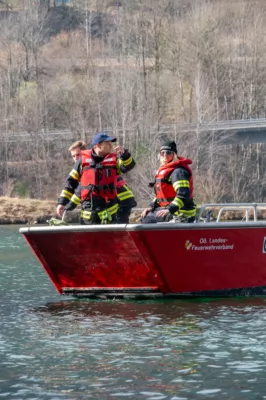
(53, 347)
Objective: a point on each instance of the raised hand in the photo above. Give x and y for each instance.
(119, 149)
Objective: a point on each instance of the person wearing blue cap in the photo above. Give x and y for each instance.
(96, 177)
(173, 187)
(125, 196)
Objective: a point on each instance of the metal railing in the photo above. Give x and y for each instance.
(222, 207)
(180, 127)
(218, 125)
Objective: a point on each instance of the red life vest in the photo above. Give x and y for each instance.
(120, 182)
(98, 179)
(164, 191)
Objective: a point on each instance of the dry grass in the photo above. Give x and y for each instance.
(25, 211)
(28, 211)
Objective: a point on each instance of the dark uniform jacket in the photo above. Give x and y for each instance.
(179, 178)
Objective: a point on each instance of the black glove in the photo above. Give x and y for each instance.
(125, 155)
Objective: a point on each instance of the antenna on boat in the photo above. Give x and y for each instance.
(63, 216)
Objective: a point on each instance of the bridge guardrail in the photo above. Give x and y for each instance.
(230, 125)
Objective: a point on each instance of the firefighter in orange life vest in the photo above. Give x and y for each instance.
(125, 196)
(173, 188)
(95, 173)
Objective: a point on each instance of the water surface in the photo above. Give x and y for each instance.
(54, 347)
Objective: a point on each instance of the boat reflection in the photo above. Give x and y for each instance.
(164, 311)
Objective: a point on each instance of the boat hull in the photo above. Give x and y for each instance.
(185, 260)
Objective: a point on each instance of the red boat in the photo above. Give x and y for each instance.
(157, 260)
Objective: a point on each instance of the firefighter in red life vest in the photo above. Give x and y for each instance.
(95, 176)
(173, 188)
(125, 196)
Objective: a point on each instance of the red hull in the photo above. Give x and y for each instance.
(167, 259)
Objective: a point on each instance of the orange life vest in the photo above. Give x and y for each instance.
(164, 191)
(98, 179)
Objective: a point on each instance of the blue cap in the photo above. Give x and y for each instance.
(102, 137)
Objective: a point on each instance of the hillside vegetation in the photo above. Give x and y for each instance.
(133, 67)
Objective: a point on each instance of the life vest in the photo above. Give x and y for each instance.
(120, 182)
(164, 191)
(98, 179)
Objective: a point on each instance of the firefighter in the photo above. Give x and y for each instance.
(126, 199)
(96, 176)
(75, 149)
(173, 186)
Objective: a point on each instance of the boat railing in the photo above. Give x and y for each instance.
(246, 208)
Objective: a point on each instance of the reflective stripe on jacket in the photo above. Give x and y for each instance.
(164, 190)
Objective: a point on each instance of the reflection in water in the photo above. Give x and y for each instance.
(55, 348)
(161, 348)
(165, 309)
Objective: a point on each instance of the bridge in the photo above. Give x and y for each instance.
(223, 132)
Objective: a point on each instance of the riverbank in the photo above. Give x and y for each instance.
(33, 211)
(25, 211)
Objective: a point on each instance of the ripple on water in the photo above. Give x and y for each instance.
(52, 348)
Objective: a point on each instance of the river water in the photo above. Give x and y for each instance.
(54, 347)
